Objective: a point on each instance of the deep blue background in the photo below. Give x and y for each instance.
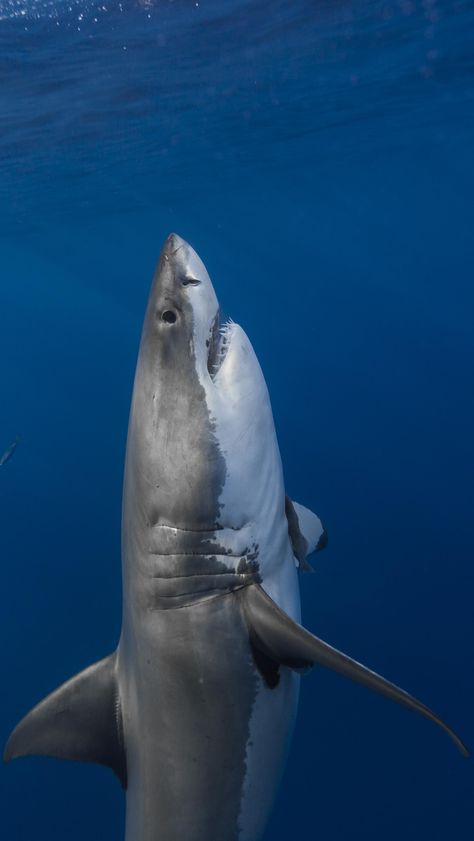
(319, 157)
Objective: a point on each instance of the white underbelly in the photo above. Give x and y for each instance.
(271, 728)
(272, 722)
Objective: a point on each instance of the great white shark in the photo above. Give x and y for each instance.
(194, 710)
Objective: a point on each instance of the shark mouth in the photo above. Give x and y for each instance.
(218, 343)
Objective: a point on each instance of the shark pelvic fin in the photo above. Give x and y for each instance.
(306, 531)
(80, 720)
(283, 641)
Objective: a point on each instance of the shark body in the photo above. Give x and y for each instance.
(195, 709)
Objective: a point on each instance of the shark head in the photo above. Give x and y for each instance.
(182, 317)
(183, 335)
(202, 455)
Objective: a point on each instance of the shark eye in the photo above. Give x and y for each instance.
(168, 316)
(191, 281)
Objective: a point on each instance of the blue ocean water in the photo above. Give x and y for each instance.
(318, 155)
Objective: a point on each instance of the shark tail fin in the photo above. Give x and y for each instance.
(80, 720)
(282, 641)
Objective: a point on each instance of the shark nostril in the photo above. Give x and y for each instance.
(168, 316)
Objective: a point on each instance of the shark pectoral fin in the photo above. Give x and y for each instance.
(80, 720)
(306, 532)
(285, 642)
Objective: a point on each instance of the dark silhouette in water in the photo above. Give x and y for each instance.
(6, 456)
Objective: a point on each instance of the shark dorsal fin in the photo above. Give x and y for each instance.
(80, 720)
(306, 531)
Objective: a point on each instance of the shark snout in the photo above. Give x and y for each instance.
(173, 244)
(183, 267)
(186, 266)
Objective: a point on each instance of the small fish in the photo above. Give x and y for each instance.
(9, 451)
